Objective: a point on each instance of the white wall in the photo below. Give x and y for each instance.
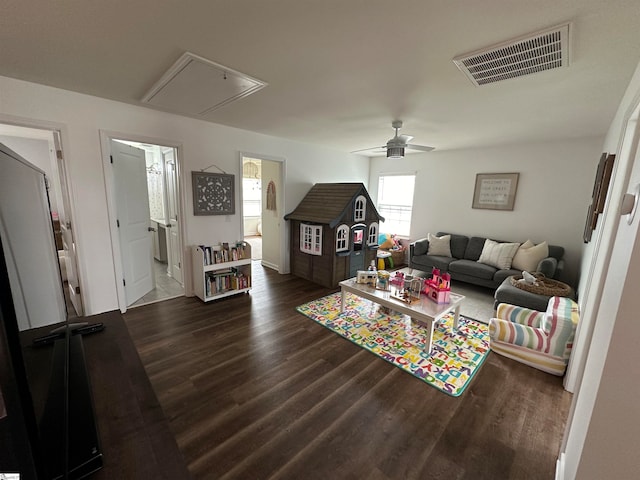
(602, 433)
(554, 191)
(81, 118)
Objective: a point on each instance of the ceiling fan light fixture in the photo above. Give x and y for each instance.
(395, 152)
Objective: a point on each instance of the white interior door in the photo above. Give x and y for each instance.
(174, 245)
(68, 236)
(133, 218)
(271, 219)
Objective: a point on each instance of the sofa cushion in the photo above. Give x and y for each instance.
(474, 248)
(501, 275)
(499, 255)
(426, 263)
(529, 256)
(470, 267)
(458, 244)
(439, 246)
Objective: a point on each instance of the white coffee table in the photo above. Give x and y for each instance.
(423, 311)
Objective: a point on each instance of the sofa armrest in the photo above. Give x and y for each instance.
(516, 334)
(420, 244)
(519, 315)
(548, 267)
(559, 270)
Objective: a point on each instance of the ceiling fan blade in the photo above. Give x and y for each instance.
(405, 138)
(381, 149)
(422, 148)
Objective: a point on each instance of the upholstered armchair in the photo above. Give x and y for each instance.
(542, 340)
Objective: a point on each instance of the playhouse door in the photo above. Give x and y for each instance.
(356, 260)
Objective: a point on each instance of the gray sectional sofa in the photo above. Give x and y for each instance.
(463, 265)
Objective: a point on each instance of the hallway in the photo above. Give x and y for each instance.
(256, 246)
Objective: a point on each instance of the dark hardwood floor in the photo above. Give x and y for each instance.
(252, 390)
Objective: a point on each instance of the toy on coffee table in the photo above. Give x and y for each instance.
(398, 280)
(438, 287)
(367, 277)
(383, 280)
(408, 288)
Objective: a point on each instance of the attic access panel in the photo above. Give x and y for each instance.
(196, 86)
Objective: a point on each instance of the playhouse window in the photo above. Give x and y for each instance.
(311, 239)
(360, 208)
(342, 238)
(372, 238)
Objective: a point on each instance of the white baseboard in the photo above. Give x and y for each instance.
(270, 265)
(560, 467)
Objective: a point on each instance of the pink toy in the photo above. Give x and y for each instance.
(398, 279)
(438, 288)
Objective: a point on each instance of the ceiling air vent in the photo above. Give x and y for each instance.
(197, 86)
(532, 53)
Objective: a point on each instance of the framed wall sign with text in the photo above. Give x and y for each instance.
(213, 193)
(495, 191)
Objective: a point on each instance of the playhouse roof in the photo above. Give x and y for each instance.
(327, 202)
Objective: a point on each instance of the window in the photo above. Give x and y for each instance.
(342, 238)
(251, 197)
(311, 239)
(395, 203)
(360, 208)
(372, 238)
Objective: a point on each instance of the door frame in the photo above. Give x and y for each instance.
(105, 144)
(63, 138)
(284, 265)
(171, 181)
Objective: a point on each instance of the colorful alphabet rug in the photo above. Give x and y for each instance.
(455, 356)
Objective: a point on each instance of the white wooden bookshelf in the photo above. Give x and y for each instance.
(217, 274)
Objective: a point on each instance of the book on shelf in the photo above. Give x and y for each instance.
(220, 282)
(223, 253)
(239, 282)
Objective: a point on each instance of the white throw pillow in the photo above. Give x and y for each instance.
(498, 255)
(529, 256)
(440, 246)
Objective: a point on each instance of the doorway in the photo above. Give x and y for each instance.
(42, 146)
(252, 205)
(147, 215)
(262, 201)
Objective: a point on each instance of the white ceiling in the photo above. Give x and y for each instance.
(339, 71)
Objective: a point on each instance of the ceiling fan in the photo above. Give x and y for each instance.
(396, 147)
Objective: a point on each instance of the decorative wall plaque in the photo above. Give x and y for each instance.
(213, 193)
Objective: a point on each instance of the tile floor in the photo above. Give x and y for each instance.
(166, 286)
